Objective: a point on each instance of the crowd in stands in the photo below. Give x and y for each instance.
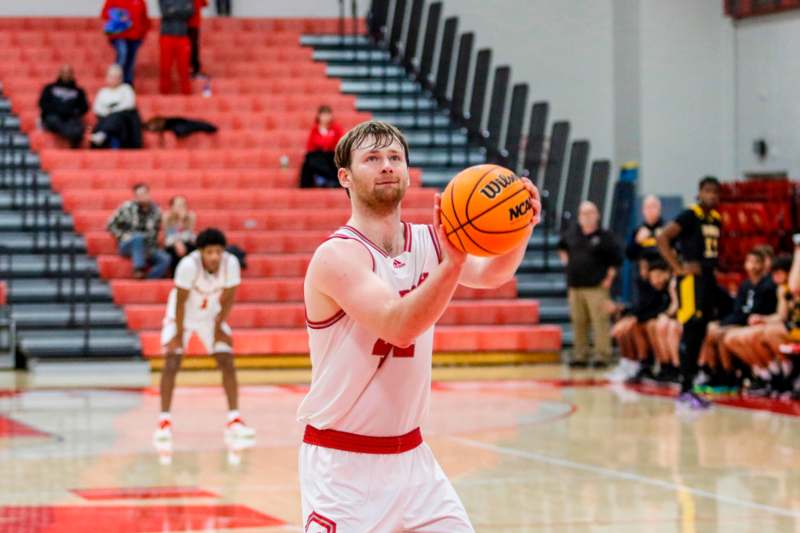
(683, 329)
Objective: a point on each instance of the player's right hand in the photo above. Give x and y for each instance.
(449, 252)
(175, 345)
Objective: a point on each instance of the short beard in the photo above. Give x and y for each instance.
(382, 202)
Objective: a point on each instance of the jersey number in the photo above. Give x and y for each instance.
(712, 247)
(384, 349)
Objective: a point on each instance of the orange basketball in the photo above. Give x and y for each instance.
(486, 210)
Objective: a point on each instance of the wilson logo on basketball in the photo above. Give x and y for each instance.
(519, 210)
(496, 186)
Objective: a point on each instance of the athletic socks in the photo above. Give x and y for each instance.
(233, 415)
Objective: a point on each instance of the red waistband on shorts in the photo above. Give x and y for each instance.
(350, 442)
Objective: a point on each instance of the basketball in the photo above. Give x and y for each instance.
(486, 210)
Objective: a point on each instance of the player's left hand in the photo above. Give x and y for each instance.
(536, 202)
(221, 336)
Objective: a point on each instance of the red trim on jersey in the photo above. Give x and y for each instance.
(350, 442)
(408, 236)
(366, 240)
(435, 242)
(322, 324)
(324, 522)
(359, 241)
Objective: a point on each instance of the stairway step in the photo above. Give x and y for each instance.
(419, 139)
(553, 310)
(9, 123)
(50, 315)
(536, 263)
(70, 343)
(423, 104)
(13, 221)
(14, 140)
(541, 285)
(366, 87)
(47, 290)
(372, 72)
(333, 56)
(22, 243)
(405, 119)
(19, 159)
(28, 266)
(336, 41)
(24, 179)
(121, 371)
(9, 199)
(439, 157)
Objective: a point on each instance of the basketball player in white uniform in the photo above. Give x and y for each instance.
(373, 292)
(205, 286)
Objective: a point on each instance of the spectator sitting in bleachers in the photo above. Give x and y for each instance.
(757, 295)
(126, 25)
(772, 372)
(319, 169)
(664, 336)
(179, 224)
(63, 105)
(135, 225)
(118, 122)
(630, 331)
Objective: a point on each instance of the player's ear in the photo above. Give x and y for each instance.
(344, 177)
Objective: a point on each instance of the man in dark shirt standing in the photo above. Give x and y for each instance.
(592, 256)
(174, 43)
(63, 105)
(696, 233)
(642, 244)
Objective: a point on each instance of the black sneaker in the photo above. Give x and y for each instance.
(599, 365)
(644, 373)
(759, 388)
(578, 364)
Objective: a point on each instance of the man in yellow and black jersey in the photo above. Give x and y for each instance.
(695, 233)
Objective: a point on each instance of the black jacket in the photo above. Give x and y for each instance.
(175, 15)
(64, 99)
(652, 302)
(647, 249)
(758, 299)
(590, 256)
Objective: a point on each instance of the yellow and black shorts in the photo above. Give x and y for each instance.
(696, 294)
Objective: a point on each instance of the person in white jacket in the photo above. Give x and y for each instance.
(118, 123)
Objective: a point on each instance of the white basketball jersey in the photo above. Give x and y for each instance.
(360, 383)
(205, 289)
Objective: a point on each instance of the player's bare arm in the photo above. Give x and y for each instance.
(226, 304)
(493, 272)
(340, 276)
(664, 244)
(180, 311)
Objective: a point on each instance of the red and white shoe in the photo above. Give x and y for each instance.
(164, 431)
(237, 429)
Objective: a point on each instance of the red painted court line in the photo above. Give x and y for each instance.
(131, 518)
(10, 428)
(142, 493)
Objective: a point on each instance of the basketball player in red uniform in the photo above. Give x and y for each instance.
(373, 292)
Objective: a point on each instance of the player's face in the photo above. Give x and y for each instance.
(709, 196)
(779, 277)
(212, 257)
(754, 266)
(378, 175)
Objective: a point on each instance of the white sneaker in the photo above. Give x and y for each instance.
(164, 432)
(98, 138)
(237, 429)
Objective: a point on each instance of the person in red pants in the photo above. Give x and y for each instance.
(194, 36)
(174, 43)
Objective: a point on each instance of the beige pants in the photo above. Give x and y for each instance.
(587, 306)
